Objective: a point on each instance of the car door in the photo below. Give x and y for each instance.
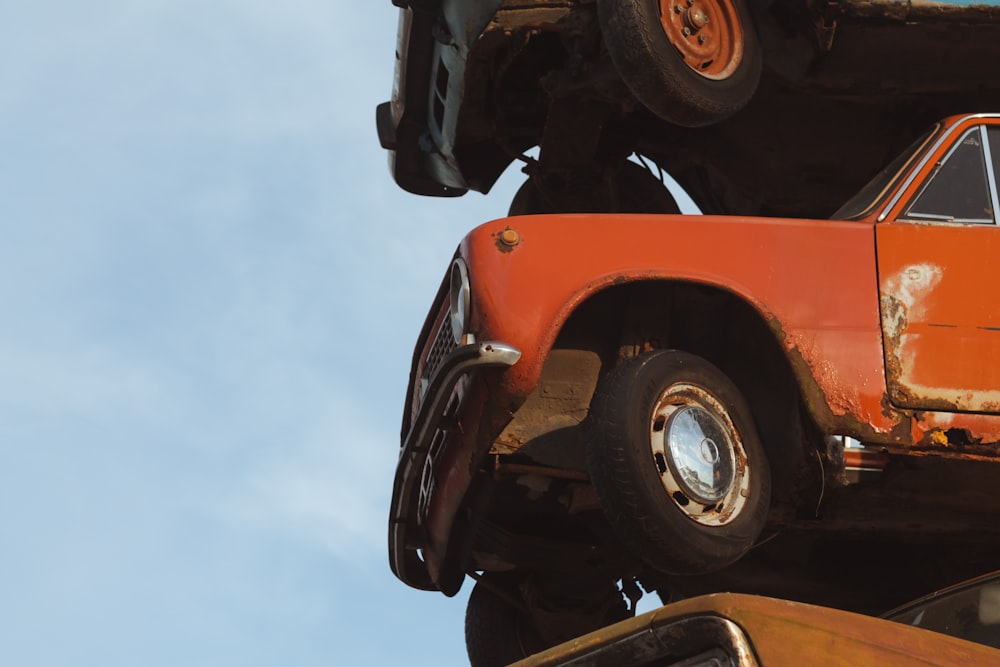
(939, 278)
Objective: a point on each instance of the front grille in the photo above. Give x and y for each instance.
(444, 344)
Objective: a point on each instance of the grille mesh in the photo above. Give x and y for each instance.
(444, 343)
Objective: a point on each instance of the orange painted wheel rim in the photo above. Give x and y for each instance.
(707, 34)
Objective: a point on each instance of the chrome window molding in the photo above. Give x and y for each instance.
(945, 136)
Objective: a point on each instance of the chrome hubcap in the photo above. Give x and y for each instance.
(699, 455)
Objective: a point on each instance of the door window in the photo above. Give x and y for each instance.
(961, 187)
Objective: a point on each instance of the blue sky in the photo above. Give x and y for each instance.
(209, 293)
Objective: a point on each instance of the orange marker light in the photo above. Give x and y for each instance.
(509, 237)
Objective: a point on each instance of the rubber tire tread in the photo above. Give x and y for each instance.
(643, 193)
(629, 488)
(657, 75)
(496, 632)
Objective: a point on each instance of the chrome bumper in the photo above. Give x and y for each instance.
(403, 557)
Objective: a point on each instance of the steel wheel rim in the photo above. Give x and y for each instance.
(699, 455)
(707, 34)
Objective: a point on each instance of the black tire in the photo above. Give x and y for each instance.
(688, 92)
(497, 632)
(680, 519)
(500, 629)
(635, 190)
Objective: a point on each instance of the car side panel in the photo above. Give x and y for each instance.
(781, 633)
(941, 315)
(813, 281)
(788, 633)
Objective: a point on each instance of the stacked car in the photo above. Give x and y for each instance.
(608, 397)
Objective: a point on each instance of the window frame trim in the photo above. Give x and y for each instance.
(941, 140)
(906, 215)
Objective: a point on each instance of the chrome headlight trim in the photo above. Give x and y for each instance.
(461, 298)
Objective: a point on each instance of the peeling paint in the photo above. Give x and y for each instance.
(903, 300)
(841, 398)
(965, 435)
(906, 292)
(893, 427)
(938, 438)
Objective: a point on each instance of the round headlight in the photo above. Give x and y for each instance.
(460, 297)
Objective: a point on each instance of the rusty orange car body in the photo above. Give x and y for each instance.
(883, 327)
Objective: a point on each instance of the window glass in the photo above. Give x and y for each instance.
(969, 611)
(871, 194)
(958, 189)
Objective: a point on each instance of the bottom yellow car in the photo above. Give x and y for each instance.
(956, 626)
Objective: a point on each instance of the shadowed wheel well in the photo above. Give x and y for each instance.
(626, 320)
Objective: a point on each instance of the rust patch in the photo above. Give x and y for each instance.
(824, 387)
(893, 324)
(938, 438)
(953, 435)
(818, 406)
(901, 294)
(902, 302)
(775, 325)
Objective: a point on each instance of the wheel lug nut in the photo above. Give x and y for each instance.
(696, 19)
(678, 9)
(687, 32)
(701, 39)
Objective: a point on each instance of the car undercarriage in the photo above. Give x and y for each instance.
(841, 92)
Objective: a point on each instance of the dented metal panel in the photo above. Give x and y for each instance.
(814, 281)
(941, 315)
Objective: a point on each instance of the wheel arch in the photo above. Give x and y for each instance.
(623, 320)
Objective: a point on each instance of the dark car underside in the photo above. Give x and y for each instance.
(845, 86)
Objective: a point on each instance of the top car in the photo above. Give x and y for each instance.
(708, 89)
(604, 398)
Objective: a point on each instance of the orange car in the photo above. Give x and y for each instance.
(605, 398)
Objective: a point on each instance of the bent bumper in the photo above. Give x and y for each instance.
(414, 470)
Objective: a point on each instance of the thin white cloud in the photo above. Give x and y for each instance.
(91, 382)
(330, 489)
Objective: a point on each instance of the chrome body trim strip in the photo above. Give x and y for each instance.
(405, 561)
